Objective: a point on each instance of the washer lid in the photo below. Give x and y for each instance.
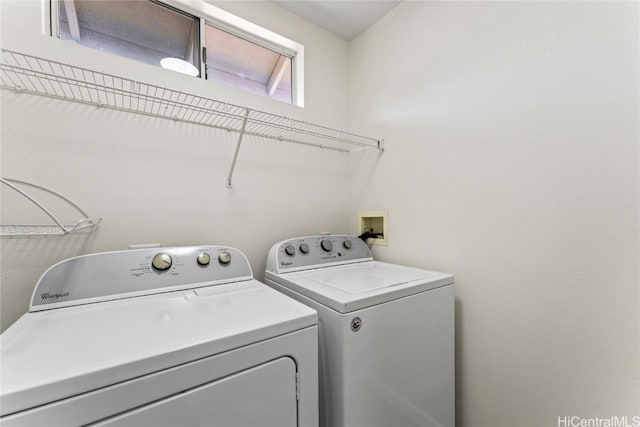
(53, 354)
(360, 285)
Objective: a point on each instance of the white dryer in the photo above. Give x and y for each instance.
(160, 337)
(386, 332)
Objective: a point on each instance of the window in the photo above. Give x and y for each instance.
(141, 30)
(235, 61)
(199, 40)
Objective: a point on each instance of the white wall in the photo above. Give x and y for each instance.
(156, 181)
(512, 161)
(512, 132)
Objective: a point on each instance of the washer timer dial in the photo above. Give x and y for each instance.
(326, 245)
(162, 261)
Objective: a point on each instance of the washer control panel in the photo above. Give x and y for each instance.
(314, 251)
(116, 275)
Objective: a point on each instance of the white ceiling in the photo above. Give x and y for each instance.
(344, 18)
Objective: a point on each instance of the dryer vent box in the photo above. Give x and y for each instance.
(374, 222)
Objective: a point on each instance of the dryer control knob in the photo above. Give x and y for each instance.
(224, 257)
(326, 245)
(203, 258)
(290, 250)
(347, 244)
(161, 261)
(304, 248)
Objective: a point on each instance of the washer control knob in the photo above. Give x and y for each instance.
(326, 245)
(347, 244)
(290, 250)
(161, 261)
(203, 258)
(304, 248)
(224, 257)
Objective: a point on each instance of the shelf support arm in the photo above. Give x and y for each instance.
(235, 155)
(38, 204)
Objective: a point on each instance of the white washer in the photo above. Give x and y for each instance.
(386, 332)
(161, 337)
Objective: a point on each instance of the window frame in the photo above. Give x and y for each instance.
(208, 14)
(251, 38)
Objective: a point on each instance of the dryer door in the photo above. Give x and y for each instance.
(269, 390)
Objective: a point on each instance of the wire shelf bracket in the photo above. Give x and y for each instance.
(59, 229)
(39, 76)
(235, 155)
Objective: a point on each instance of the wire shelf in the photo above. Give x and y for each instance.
(35, 75)
(57, 229)
(15, 231)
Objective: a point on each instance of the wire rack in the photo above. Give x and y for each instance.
(56, 229)
(35, 75)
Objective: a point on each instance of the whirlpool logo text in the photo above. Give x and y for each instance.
(57, 295)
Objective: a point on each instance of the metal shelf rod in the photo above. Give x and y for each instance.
(235, 155)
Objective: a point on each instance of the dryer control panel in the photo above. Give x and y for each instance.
(316, 251)
(123, 274)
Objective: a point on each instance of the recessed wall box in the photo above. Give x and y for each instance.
(374, 222)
